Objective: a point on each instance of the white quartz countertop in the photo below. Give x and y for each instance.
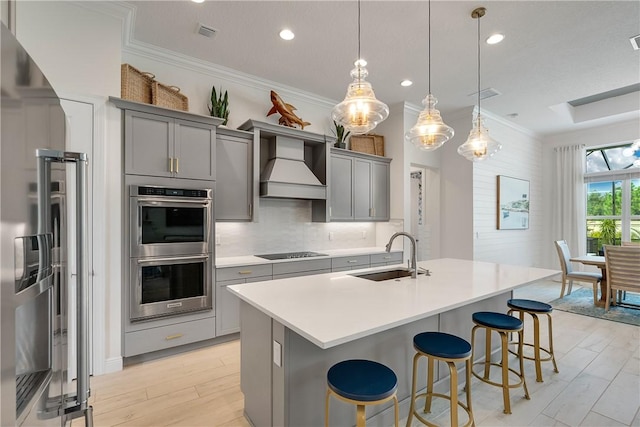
(335, 308)
(330, 253)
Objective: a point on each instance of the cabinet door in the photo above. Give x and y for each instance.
(341, 188)
(380, 190)
(227, 308)
(233, 178)
(148, 144)
(195, 150)
(362, 189)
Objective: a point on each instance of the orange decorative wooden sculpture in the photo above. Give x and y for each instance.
(286, 111)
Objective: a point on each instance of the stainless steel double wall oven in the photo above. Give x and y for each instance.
(171, 251)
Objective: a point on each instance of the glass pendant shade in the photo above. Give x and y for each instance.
(429, 132)
(360, 112)
(479, 145)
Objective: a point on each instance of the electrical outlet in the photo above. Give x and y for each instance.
(364, 234)
(331, 236)
(277, 353)
(218, 240)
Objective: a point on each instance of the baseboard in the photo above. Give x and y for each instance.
(113, 364)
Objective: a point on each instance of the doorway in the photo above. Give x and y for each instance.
(425, 211)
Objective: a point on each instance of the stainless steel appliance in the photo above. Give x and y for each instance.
(34, 387)
(171, 251)
(168, 286)
(169, 221)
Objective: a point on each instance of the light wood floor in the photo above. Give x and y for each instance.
(598, 383)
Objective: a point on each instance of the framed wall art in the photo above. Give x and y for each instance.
(513, 203)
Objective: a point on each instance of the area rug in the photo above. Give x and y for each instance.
(581, 302)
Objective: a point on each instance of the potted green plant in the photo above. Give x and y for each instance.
(340, 134)
(219, 105)
(607, 232)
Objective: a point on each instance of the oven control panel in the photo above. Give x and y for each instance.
(172, 192)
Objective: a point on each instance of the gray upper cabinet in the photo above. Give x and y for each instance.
(168, 143)
(360, 185)
(341, 188)
(234, 189)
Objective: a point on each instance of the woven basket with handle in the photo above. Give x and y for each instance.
(135, 85)
(169, 97)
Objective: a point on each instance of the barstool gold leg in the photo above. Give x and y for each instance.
(453, 392)
(553, 357)
(467, 388)
(536, 347)
(396, 409)
(429, 396)
(413, 389)
(487, 353)
(326, 409)
(505, 372)
(360, 416)
(521, 357)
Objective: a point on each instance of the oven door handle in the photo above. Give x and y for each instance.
(177, 258)
(156, 201)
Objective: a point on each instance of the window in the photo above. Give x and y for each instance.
(612, 182)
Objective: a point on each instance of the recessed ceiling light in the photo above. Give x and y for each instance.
(406, 83)
(198, 1)
(495, 38)
(287, 34)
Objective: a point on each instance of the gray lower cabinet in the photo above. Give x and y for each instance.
(234, 160)
(350, 262)
(227, 304)
(161, 142)
(386, 259)
(168, 336)
(360, 186)
(283, 270)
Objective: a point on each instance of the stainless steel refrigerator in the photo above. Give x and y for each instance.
(38, 181)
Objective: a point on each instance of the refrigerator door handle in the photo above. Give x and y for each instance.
(45, 158)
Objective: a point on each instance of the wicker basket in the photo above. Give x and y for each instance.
(369, 143)
(169, 97)
(135, 85)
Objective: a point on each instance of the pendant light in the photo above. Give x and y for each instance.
(429, 132)
(360, 111)
(479, 145)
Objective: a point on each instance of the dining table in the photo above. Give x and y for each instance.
(600, 262)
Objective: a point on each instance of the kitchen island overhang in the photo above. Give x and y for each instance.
(293, 330)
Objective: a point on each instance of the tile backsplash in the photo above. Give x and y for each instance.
(285, 226)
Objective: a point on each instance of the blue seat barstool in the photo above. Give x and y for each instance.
(504, 325)
(534, 308)
(361, 383)
(449, 349)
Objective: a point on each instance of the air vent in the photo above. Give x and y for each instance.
(486, 93)
(635, 42)
(206, 31)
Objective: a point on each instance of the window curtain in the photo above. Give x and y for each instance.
(569, 218)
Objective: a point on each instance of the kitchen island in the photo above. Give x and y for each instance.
(294, 330)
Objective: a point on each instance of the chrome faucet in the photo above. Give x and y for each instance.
(414, 263)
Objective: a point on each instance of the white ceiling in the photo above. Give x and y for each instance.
(554, 51)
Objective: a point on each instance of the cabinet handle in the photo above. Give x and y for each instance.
(177, 165)
(352, 261)
(245, 272)
(171, 164)
(250, 210)
(173, 337)
(387, 257)
(329, 211)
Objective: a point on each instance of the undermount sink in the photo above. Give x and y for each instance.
(379, 276)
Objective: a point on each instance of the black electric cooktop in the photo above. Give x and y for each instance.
(290, 255)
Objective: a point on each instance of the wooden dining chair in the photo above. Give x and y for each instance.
(568, 275)
(623, 270)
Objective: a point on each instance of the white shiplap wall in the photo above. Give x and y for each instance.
(520, 157)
